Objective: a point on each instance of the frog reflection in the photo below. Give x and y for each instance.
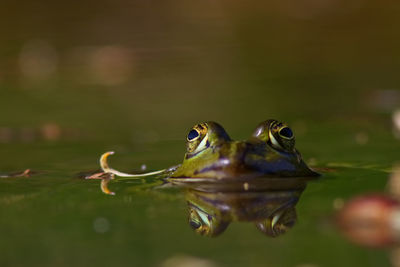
(272, 210)
(212, 154)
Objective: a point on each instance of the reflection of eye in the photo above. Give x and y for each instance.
(194, 224)
(192, 135)
(286, 132)
(195, 221)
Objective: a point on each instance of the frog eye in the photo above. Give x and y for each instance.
(197, 139)
(276, 134)
(205, 224)
(204, 135)
(286, 132)
(199, 221)
(278, 223)
(193, 135)
(194, 224)
(281, 137)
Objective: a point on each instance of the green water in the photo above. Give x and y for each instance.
(50, 219)
(80, 79)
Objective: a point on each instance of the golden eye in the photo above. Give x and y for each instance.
(193, 135)
(281, 137)
(196, 139)
(286, 132)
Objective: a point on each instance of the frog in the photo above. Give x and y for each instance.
(269, 152)
(212, 155)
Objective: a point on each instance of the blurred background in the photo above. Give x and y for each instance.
(163, 66)
(80, 78)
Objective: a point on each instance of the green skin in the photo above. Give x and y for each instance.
(212, 156)
(269, 152)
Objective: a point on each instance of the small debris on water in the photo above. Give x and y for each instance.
(99, 175)
(25, 173)
(93, 174)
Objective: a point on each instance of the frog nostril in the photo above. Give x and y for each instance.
(286, 132)
(193, 134)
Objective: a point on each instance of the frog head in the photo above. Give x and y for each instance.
(270, 151)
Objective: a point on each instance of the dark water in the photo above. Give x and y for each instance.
(134, 77)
